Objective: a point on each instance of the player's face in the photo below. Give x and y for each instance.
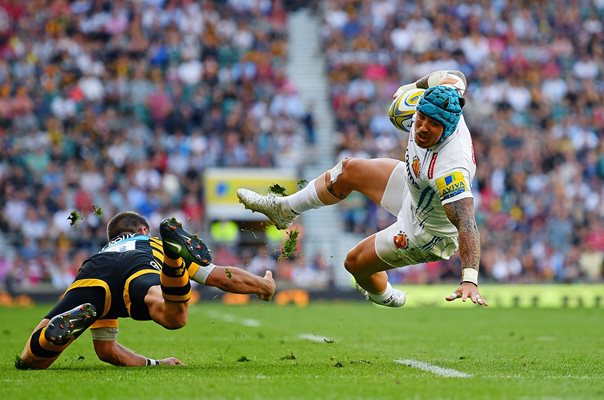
(427, 130)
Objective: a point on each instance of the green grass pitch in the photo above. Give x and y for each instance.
(331, 350)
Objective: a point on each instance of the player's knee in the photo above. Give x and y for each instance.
(176, 321)
(341, 170)
(347, 164)
(24, 364)
(340, 179)
(356, 264)
(174, 324)
(32, 365)
(351, 263)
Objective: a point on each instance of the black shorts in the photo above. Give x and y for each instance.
(138, 289)
(115, 282)
(96, 295)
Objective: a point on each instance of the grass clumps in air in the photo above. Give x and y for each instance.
(290, 244)
(277, 190)
(98, 211)
(74, 218)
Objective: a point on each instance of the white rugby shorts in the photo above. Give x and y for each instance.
(405, 242)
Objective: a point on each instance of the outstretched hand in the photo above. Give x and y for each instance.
(467, 290)
(270, 283)
(170, 361)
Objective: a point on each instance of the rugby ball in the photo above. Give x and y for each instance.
(402, 109)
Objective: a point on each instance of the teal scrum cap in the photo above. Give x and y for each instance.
(443, 104)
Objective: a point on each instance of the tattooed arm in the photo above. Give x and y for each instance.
(461, 214)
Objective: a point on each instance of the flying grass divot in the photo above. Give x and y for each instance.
(75, 216)
(289, 246)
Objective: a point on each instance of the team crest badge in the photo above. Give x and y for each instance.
(400, 241)
(415, 166)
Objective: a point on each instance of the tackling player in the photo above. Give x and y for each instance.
(429, 193)
(136, 276)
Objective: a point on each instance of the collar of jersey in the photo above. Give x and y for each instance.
(127, 238)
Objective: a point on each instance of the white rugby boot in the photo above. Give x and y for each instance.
(269, 205)
(396, 299)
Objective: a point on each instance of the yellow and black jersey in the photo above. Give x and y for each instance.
(157, 249)
(148, 244)
(124, 269)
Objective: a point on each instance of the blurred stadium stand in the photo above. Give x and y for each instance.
(127, 104)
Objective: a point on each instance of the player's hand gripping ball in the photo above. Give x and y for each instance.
(402, 109)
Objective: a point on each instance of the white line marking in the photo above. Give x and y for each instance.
(252, 323)
(581, 377)
(314, 338)
(424, 366)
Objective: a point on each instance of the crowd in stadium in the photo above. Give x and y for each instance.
(123, 104)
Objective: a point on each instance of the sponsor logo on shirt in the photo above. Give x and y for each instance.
(451, 185)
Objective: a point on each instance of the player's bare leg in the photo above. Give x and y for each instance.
(28, 360)
(368, 177)
(52, 336)
(169, 314)
(369, 271)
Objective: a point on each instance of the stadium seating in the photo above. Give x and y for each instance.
(123, 105)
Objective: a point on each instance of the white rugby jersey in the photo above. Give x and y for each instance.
(437, 176)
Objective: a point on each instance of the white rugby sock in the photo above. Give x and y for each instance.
(387, 294)
(304, 199)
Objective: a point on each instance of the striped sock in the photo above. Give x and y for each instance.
(42, 349)
(174, 278)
